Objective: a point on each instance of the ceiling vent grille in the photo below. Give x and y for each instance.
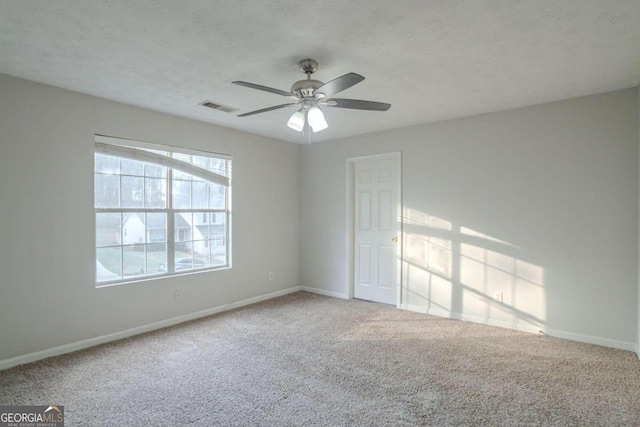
(219, 107)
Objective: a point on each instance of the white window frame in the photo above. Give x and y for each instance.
(129, 149)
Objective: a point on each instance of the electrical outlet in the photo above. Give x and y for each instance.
(498, 296)
(177, 294)
(272, 275)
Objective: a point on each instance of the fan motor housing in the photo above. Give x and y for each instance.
(306, 88)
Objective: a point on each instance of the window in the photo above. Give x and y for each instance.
(159, 210)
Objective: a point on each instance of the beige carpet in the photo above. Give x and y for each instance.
(305, 360)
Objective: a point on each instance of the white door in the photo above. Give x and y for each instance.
(376, 229)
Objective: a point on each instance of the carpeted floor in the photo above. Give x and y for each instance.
(306, 360)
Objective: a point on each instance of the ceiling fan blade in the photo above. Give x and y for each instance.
(339, 84)
(357, 104)
(264, 110)
(264, 88)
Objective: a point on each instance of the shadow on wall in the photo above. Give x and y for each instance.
(453, 271)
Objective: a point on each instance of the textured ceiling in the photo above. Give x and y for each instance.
(432, 60)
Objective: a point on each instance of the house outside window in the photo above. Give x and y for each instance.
(159, 210)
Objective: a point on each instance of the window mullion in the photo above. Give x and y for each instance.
(227, 208)
(171, 257)
(121, 245)
(120, 183)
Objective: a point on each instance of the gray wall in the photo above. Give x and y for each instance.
(47, 293)
(556, 184)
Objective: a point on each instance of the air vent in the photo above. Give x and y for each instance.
(219, 107)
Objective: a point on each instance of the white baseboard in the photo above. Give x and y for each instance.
(590, 339)
(324, 292)
(90, 342)
(416, 308)
(518, 326)
(527, 327)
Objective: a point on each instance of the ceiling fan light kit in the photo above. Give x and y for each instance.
(310, 94)
(296, 121)
(316, 119)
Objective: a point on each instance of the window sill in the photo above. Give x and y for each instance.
(160, 277)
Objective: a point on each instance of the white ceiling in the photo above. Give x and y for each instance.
(432, 60)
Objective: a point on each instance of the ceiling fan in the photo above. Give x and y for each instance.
(310, 94)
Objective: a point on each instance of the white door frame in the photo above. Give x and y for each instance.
(351, 162)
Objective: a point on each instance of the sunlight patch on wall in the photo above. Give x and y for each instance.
(428, 260)
(454, 269)
(415, 217)
(470, 232)
(501, 287)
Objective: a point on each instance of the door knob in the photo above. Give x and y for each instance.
(395, 239)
